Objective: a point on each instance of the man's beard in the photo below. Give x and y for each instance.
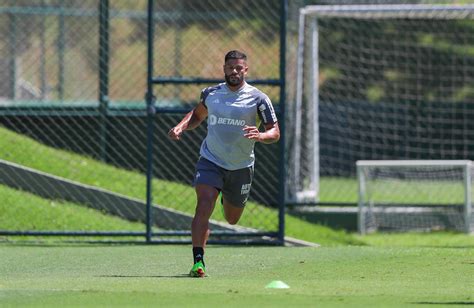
(235, 81)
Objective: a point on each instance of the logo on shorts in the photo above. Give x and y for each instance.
(198, 175)
(245, 189)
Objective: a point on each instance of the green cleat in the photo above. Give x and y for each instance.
(198, 270)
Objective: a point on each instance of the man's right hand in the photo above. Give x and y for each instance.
(192, 120)
(175, 133)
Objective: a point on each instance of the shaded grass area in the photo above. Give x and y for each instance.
(156, 276)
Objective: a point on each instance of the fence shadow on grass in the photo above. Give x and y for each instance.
(145, 276)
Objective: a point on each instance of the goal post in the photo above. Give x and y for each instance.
(377, 82)
(415, 195)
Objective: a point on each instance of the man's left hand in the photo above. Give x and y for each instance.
(251, 132)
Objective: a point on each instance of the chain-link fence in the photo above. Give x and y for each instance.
(394, 84)
(73, 153)
(73, 117)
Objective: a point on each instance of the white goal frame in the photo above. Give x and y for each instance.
(466, 165)
(407, 11)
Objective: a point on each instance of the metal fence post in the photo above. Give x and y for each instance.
(150, 120)
(103, 74)
(282, 169)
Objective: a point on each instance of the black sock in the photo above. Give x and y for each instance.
(198, 254)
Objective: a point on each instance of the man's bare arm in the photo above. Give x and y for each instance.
(190, 121)
(271, 134)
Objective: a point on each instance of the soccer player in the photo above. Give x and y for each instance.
(234, 111)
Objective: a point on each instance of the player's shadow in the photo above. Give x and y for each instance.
(146, 276)
(444, 303)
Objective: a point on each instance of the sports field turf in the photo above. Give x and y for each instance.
(139, 275)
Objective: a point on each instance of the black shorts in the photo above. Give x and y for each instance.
(234, 184)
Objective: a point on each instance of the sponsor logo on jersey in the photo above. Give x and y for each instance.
(213, 120)
(262, 108)
(266, 109)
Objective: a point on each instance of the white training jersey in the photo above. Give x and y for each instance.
(228, 112)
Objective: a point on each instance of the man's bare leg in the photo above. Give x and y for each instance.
(232, 213)
(206, 199)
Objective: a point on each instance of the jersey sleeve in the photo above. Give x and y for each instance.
(265, 110)
(204, 94)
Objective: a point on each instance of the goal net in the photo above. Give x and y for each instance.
(415, 195)
(377, 82)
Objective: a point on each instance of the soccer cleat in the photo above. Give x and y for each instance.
(198, 270)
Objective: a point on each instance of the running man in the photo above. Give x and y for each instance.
(234, 112)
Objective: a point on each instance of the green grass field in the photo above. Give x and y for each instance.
(157, 276)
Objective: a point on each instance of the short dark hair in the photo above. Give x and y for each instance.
(235, 54)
